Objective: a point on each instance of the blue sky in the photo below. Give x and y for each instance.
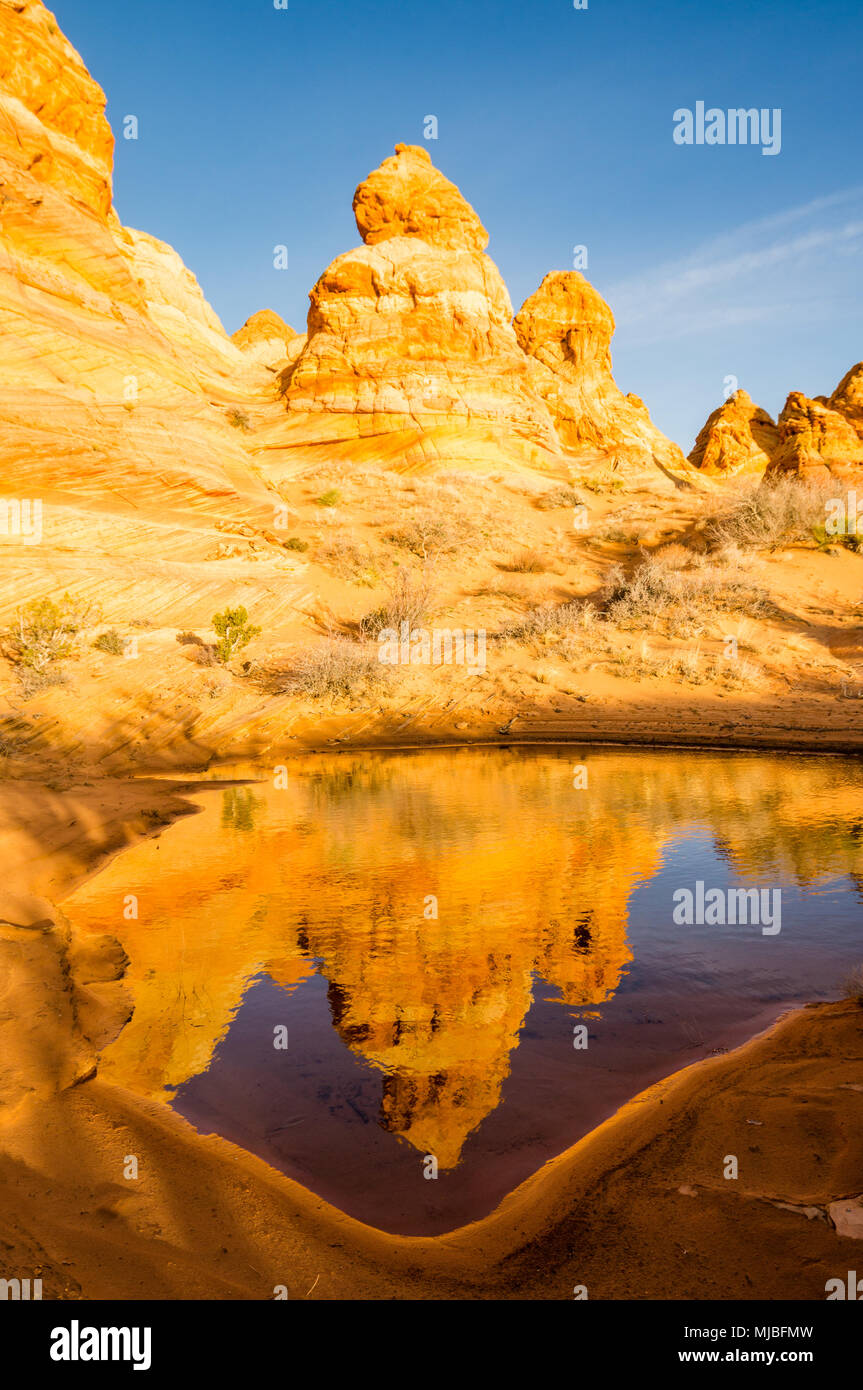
(256, 124)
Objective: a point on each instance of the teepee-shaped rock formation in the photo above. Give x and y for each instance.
(412, 356)
(566, 327)
(739, 437)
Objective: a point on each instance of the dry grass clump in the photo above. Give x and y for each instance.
(409, 599)
(335, 668)
(348, 559)
(428, 532)
(679, 593)
(556, 619)
(690, 666)
(557, 497)
(783, 512)
(526, 562)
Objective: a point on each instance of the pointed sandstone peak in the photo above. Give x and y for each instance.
(408, 196)
(266, 338)
(738, 436)
(566, 328)
(848, 397)
(566, 323)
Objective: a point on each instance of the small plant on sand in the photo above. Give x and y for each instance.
(336, 668)
(234, 631)
(189, 639)
(331, 498)
(678, 593)
(526, 562)
(294, 543)
(408, 600)
(557, 497)
(239, 419)
(853, 986)
(349, 559)
(427, 532)
(781, 512)
(46, 631)
(555, 619)
(111, 642)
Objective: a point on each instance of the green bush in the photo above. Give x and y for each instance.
(110, 641)
(46, 631)
(234, 632)
(331, 498)
(294, 543)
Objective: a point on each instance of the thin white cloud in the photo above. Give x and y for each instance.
(741, 275)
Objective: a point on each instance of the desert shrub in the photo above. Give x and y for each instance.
(427, 532)
(234, 631)
(555, 618)
(678, 594)
(45, 631)
(408, 600)
(348, 559)
(331, 498)
(294, 543)
(32, 681)
(558, 497)
(526, 562)
(784, 511)
(189, 639)
(336, 667)
(852, 987)
(111, 642)
(239, 419)
(826, 540)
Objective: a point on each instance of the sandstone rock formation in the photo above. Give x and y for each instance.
(816, 440)
(848, 397)
(566, 327)
(120, 389)
(266, 338)
(412, 355)
(739, 437)
(817, 435)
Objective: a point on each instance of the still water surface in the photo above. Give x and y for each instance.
(310, 907)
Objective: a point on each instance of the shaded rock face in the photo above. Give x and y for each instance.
(412, 354)
(739, 437)
(815, 439)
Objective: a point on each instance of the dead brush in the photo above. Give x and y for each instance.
(787, 511)
(526, 562)
(409, 600)
(335, 668)
(679, 594)
(349, 559)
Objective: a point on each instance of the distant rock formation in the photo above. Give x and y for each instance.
(815, 439)
(818, 435)
(739, 437)
(266, 338)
